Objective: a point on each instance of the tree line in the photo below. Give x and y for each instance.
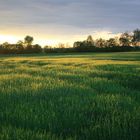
(21, 47)
(128, 41)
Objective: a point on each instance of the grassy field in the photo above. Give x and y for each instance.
(93, 96)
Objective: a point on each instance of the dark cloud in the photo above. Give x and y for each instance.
(114, 15)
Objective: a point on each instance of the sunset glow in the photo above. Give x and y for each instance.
(8, 38)
(54, 21)
(53, 41)
(15, 39)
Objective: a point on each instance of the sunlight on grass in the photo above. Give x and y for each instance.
(91, 96)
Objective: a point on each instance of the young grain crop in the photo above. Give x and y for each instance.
(70, 97)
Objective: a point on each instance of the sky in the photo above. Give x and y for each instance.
(54, 21)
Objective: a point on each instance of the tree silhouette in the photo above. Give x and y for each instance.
(28, 40)
(111, 42)
(125, 39)
(100, 43)
(136, 37)
(89, 45)
(36, 48)
(90, 39)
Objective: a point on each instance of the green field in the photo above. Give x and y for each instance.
(91, 96)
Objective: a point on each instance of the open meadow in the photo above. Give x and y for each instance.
(91, 96)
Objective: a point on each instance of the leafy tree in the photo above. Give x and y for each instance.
(20, 42)
(111, 42)
(6, 45)
(89, 42)
(37, 48)
(20, 46)
(100, 43)
(125, 39)
(77, 44)
(90, 39)
(136, 37)
(28, 40)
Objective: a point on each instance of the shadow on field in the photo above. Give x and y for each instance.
(83, 99)
(69, 112)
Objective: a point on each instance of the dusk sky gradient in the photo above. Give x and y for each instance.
(53, 21)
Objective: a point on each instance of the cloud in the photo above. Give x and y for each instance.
(68, 17)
